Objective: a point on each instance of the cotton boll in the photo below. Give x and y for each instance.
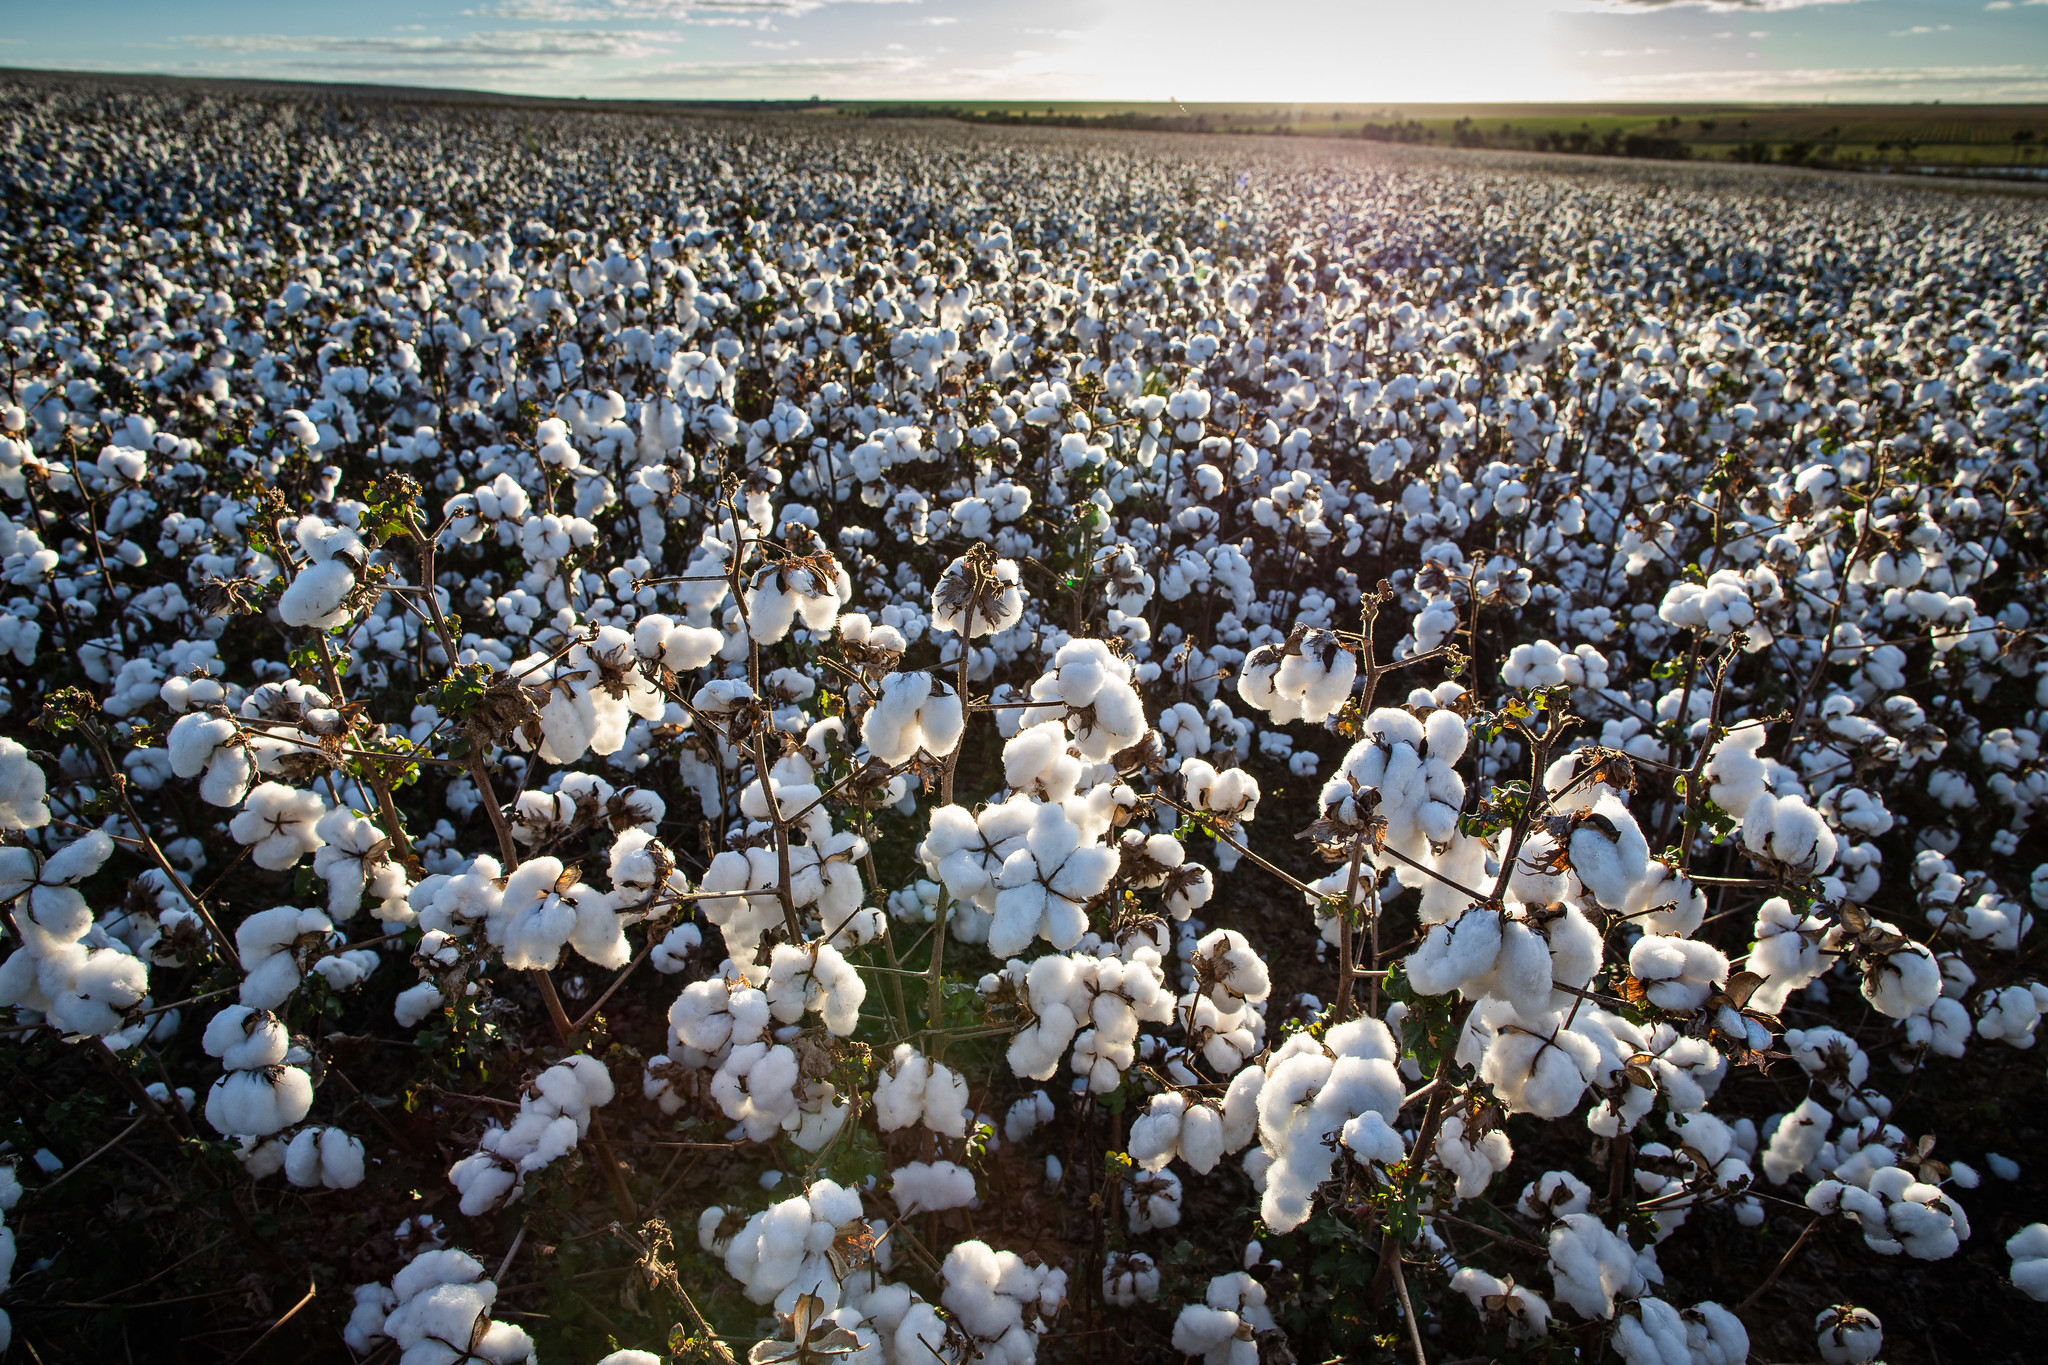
(246, 1039)
(2029, 1251)
(931, 1187)
(913, 714)
(324, 1158)
(259, 1102)
(1521, 1311)
(21, 789)
(1848, 1335)
(1796, 1141)
(1677, 974)
(1786, 953)
(279, 823)
(1129, 1278)
(1591, 1266)
(1152, 1201)
(978, 596)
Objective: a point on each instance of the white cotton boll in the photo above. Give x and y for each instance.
(1155, 1134)
(1848, 1335)
(317, 598)
(270, 944)
(1472, 1159)
(1901, 980)
(260, 1102)
(1537, 1066)
(1678, 974)
(328, 1158)
(22, 789)
(246, 1039)
(1591, 1265)
(1129, 1278)
(1152, 1201)
(1027, 1116)
(415, 1003)
(204, 744)
(1650, 1332)
(2029, 1251)
(1609, 853)
(1796, 1141)
(1786, 953)
(913, 714)
(1525, 1313)
(981, 599)
(280, 823)
(931, 1187)
(1455, 952)
(1715, 1336)
(1736, 773)
(1785, 831)
(366, 1321)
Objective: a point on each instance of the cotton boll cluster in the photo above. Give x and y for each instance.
(1002, 1302)
(1224, 1328)
(261, 1093)
(1095, 1001)
(1309, 677)
(440, 1299)
(67, 971)
(1342, 1087)
(554, 1115)
(913, 714)
(1896, 1213)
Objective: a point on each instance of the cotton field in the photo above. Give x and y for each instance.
(631, 738)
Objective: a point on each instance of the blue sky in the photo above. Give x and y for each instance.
(1375, 53)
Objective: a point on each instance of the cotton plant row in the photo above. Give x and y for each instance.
(792, 622)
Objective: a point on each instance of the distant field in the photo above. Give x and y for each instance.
(1980, 139)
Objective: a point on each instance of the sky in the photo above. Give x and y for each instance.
(1373, 53)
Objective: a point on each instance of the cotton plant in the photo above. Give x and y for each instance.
(772, 620)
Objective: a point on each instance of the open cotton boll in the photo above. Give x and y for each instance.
(1785, 832)
(1796, 1141)
(1650, 1332)
(324, 1158)
(1591, 1266)
(999, 1300)
(554, 1114)
(1609, 854)
(1129, 1278)
(977, 596)
(1152, 1201)
(1519, 1310)
(246, 1039)
(913, 714)
(1678, 974)
(1223, 1329)
(1472, 1158)
(1343, 1086)
(1848, 1335)
(1044, 887)
(2029, 1251)
(931, 1187)
(22, 789)
(272, 944)
(443, 1297)
(259, 1102)
(814, 977)
(415, 1003)
(1535, 1066)
(1786, 954)
(279, 823)
(916, 1090)
(1735, 772)
(1896, 1213)
(208, 747)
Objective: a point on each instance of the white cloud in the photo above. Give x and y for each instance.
(1752, 5)
(1919, 29)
